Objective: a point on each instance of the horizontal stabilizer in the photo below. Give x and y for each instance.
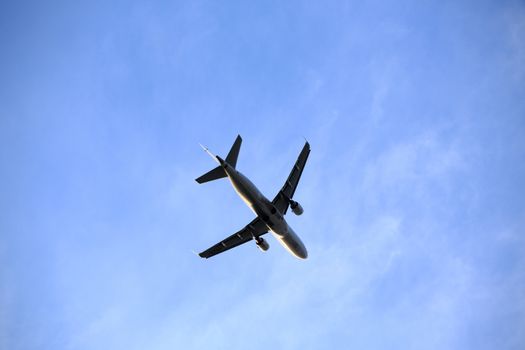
(231, 158)
(214, 174)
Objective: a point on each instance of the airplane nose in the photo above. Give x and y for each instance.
(303, 254)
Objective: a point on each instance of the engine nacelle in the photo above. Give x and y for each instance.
(262, 244)
(296, 208)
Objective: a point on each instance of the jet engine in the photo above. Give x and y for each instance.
(296, 207)
(262, 244)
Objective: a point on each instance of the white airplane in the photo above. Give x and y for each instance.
(270, 215)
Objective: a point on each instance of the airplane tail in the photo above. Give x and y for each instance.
(218, 172)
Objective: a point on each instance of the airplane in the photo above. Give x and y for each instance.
(270, 215)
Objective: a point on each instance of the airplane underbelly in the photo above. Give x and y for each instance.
(275, 223)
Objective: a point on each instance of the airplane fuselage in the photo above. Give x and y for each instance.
(266, 211)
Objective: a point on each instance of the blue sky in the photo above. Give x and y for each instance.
(413, 193)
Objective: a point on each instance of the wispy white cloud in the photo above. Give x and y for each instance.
(338, 279)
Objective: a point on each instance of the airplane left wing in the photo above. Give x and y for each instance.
(255, 228)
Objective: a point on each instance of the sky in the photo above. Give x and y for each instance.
(414, 191)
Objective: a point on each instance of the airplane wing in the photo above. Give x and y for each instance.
(255, 228)
(282, 200)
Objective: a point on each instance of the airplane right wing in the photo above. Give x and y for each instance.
(282, 200)
(255, 228)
